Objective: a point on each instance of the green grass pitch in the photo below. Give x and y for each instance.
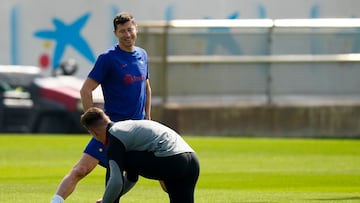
(233, 170)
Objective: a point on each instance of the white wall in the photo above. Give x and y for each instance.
(21, 19)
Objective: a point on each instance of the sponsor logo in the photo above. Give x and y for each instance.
(130, 79)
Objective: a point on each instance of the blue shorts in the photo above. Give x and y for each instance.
(97, 150)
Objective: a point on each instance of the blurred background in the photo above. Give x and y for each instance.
(232, 68)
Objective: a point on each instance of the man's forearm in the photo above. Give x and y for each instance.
(148, 101)
(86, 100)
(114, 185)
(66, 187)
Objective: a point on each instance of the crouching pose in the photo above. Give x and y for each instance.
(146, 148)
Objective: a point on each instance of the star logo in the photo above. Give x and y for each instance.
(67, 35)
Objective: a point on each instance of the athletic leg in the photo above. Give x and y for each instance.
(179, 172)
(182, 190)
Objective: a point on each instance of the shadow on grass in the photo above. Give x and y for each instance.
(336, 199)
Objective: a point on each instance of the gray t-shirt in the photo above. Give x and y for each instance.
(138, 135)
(151, 136)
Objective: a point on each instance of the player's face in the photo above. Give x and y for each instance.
(126, 34)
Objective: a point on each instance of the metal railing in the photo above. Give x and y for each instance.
(270, 24)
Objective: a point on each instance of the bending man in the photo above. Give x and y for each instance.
(146, 148)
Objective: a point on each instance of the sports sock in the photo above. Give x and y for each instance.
(57, 199)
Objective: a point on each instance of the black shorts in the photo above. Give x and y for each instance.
(179, 172)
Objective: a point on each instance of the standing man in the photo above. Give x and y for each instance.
(146, 148)
(122, 71)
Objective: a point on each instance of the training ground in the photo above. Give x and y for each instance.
(233, 170)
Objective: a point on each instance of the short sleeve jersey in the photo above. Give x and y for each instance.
(122, 76)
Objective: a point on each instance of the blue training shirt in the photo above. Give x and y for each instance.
(122, 76)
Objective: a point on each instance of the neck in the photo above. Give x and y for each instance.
(125, 48)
